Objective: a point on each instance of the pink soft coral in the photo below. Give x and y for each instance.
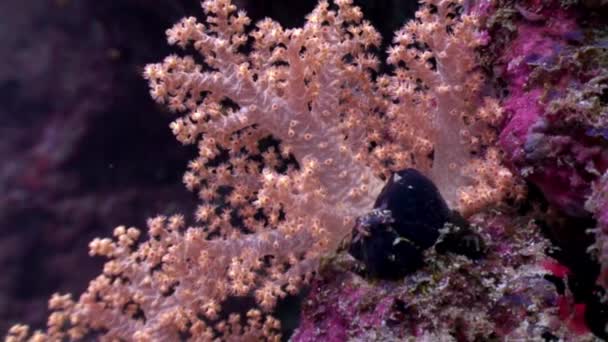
(294, 136)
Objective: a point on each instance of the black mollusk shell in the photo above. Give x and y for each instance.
(416, 205)
(393, 248)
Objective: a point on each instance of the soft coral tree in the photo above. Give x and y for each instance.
(438, 112)
(294, 134)
(282, 119)
(310, 88)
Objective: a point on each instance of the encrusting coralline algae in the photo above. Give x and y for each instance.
(297, 131)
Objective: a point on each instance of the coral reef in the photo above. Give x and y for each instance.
(555, 77)
(554, 119)
(509, 295)
(297, 130)
(555, 67)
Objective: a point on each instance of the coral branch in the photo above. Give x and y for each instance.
(438, 110)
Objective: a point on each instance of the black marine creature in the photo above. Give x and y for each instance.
(407, 218)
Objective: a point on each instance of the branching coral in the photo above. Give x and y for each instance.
(438, 110)
(310, 88)
(294, 134)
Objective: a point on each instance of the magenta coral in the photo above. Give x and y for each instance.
(561, 162)
(557, 74)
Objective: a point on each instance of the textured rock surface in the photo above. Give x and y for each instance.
(507, 295)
